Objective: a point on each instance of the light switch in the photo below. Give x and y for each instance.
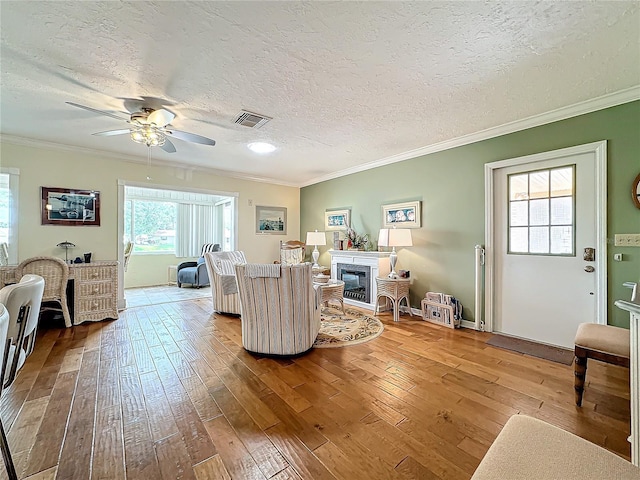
(627, 240)
(617, 257)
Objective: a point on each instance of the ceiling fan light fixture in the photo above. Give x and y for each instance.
(149, 135)
(261, 147)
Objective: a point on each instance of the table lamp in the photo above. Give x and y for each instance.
(66, 245)
(394, 237)
(316, 238)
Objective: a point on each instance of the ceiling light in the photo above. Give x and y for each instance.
(149, 135)
(261, 147)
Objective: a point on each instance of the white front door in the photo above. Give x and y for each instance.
(546, 212)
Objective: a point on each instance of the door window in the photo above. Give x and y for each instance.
(541, 212)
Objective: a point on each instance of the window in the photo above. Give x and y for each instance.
(176, 222)
(9, 211)
(542, 212)
(151, 226)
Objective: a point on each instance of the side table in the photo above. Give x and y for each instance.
(395, 289)
(332, 290)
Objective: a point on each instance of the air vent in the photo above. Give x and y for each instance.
(250, 119)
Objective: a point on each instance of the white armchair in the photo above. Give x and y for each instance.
(280, 313)
(224, 290)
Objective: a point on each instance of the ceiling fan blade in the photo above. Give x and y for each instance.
(168, 147)
(112, 132)
(101, 112)
(191, 137)
(161, 117)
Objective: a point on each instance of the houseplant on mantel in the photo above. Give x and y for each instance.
(356, 241)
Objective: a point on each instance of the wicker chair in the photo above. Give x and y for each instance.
(56, 274)
(128, 248)
(291, 252)
(224, 290)
(280, 312)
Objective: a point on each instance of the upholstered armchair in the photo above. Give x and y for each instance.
(195, 273)
(280, 313)
(224, 290)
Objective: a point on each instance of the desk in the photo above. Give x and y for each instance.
(95, 289)
(395, 289)
(332, 290)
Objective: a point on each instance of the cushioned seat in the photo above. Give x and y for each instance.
(601, 342)
(528, 448)
(195, 273)
(280, 312)
(224, 290)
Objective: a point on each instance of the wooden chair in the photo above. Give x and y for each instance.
(291, 252)
(601, 342)
(56, 274)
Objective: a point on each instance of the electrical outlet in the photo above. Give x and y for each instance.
(627, 240)
(250, 202)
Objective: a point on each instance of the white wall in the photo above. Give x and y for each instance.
(74, 169)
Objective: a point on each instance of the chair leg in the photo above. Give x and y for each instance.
(580, 373)
(6, 455)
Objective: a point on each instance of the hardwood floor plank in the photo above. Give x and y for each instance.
(23, 432)
(48, 443)
(141, 462)
(268, 458)
(107, 462)
(211, 468)
(173, 459)
(159, 412)
(236, 458)
(305, 463)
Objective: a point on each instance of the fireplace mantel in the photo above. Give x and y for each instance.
(377, 261)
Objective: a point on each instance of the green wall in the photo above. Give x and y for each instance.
(450, 185)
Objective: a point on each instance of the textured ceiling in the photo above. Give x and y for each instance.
(346, 83)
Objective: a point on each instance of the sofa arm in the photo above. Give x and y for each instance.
(185, 265)
(203, 274)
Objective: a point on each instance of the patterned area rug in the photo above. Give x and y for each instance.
(351, 328)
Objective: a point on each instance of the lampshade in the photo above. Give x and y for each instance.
(316, 238)
(395, 237)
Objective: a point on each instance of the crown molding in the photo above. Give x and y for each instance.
(35, 143)
(581, 108)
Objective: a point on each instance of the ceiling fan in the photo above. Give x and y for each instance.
(151, 127)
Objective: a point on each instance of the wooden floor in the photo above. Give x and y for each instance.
(167, 392)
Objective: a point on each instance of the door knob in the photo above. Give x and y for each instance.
(589, 269)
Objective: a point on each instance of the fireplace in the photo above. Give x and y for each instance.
(358, 270)
(357, 281)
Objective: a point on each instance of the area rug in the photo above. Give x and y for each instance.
(540, 350)
(342, 330)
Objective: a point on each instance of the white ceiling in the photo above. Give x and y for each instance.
(346, 83)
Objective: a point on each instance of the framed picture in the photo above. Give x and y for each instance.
(271, 220)
(403, 215)
(70, 207)
(336, 219)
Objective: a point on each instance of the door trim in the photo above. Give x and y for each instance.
(599, 149)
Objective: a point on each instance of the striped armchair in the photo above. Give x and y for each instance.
(223, 280)
(280, 314)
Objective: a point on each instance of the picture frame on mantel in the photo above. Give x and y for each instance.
(336, 219)
(271, 220)
(401, 215)
(70, 207)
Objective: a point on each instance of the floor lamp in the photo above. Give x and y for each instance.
(394, 237)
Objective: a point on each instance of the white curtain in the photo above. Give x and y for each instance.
(195, 227)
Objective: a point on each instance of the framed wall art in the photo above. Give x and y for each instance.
(336, 219)
(70, 207)
(271, 220)
(402, 215)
